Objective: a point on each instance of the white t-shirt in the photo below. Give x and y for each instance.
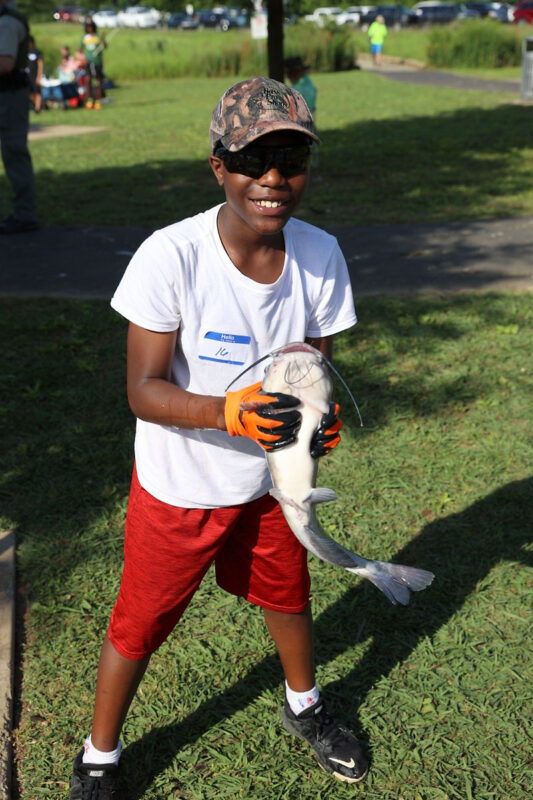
(181, 278)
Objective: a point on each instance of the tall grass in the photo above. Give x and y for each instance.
(479, 43)
(147, 54)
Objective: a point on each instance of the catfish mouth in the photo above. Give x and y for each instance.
(295, 347)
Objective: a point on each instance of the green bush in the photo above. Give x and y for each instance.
(329, 49)
(479, 43)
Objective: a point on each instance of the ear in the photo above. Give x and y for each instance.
(217, 165)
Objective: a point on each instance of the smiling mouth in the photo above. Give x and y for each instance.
(269, 203)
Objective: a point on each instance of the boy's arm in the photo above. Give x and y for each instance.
(151, 395)
(271, 420)
(322, 343)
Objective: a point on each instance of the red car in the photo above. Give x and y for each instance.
(69, 14)
(524, 12)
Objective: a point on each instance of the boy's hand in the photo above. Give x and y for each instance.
(327, 436)
(262, 416)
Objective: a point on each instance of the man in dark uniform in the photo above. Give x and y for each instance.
(14, 119)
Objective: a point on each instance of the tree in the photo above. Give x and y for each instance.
(275, 39)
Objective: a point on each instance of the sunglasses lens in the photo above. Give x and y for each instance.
(256, 161)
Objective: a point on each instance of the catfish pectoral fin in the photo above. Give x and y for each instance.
(321, 494)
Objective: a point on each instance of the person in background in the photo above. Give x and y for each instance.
(296, 72)
(93, 45)
(14, 119)
(376, 35)
(68, 66)
(35, 74)
(81, 61)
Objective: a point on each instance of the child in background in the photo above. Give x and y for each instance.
(296, 72)
(93, 45)
(204, 297)
(376, 34)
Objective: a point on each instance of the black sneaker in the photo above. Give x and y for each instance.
(93, 781)
(11, 224)
(336, 748)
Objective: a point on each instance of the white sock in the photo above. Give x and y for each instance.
(299, 701)
(93, 756)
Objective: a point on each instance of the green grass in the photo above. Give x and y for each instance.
(391, 153)
(439, 477)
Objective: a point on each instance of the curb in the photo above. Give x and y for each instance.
(7, 618)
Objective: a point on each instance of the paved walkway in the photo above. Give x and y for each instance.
(415, 73)
(390, 259)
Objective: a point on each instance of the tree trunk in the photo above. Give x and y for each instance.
(275, 40)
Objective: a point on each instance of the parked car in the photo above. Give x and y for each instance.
(69, 14)
(324, 14)
(353, 14)
(441, 13)
(350, 16)
(215, 19)
(105, 18)
(239, 16)
(524, 13)
(183, 21)
(495, 11)
(501, 12)
(394, 16)
(139, 17)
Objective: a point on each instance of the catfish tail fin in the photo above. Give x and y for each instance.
(395, 580)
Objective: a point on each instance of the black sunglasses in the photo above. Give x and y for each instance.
(255, 160)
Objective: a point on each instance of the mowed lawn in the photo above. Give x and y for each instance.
(439, 477)
(391, 153)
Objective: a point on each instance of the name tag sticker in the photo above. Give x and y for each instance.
(228, 348)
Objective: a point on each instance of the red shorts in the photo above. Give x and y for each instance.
(168, 550)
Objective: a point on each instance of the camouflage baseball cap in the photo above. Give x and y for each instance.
(257, 106)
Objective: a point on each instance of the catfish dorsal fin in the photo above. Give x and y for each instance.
(320, 495)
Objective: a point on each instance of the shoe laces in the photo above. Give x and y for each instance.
(328, 727)
(98, 789)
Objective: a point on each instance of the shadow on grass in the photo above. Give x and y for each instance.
(449, 166)
(461, 549)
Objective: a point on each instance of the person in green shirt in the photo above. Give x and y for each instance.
(93, 45)
(296, 71)
(376, 34)
(297, 74)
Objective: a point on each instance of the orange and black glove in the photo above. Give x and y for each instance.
(327, 436)
(270, 419)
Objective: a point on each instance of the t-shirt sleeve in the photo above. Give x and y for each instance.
(148, 294)
(11, 34)
(334, 310)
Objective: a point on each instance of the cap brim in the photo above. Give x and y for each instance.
(248, 136)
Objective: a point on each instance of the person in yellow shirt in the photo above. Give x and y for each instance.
(376, 34)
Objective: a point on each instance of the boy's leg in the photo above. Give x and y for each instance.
(336, 748)
(293, 637)
(118, 680)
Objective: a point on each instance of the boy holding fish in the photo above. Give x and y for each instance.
(205, 298)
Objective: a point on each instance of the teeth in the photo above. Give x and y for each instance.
(269, 203)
